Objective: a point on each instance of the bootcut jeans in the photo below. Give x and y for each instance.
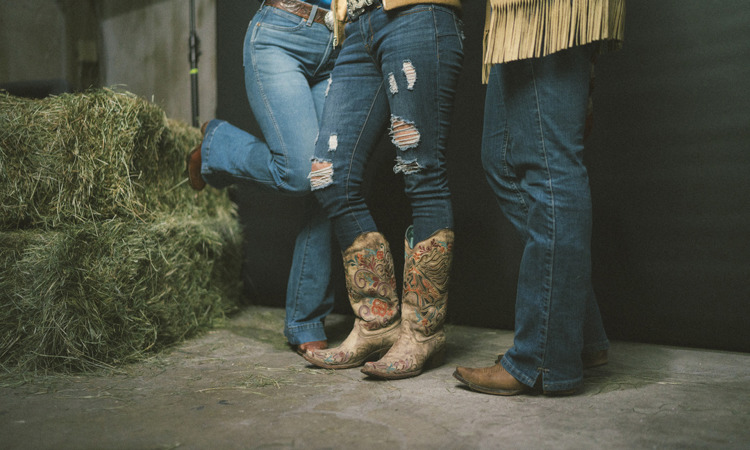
(287, 63)
(400, 68)
(532, 154)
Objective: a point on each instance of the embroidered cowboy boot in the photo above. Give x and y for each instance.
(421, 341)
(371, 286)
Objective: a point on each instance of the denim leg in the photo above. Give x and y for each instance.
(400, 68)
(287, 66)
(532, 155)
(310, 292)
(422, 60)
(284, 59)
(354, 118)
(309, 295)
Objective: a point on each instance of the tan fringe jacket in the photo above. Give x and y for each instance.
(339, 8)
(520, 29)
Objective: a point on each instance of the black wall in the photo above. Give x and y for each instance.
(669, 163)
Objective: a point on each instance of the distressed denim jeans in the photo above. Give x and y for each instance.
(399, 69)
(532, 153)
(287, 64)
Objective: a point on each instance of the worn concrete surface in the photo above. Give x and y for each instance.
(241, 387)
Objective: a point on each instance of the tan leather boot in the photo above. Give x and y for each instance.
(371, 285)
(421, 342)
(490, 380)
(496, 380)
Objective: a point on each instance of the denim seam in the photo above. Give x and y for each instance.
(207, 151)
(266, 103)
(437, 86)
(325, 57)
(315, 326)
(302, 270)
(281, 13)
(515, 373)
(351, 159)
(550, 255)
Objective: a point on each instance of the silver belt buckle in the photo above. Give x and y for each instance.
(329, 20)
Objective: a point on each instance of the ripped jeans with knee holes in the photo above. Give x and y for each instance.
(396, 71)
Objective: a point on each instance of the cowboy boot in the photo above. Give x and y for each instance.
(493, 380)
(421, 341)
(193, 163)
(371, 286)
(496, 380)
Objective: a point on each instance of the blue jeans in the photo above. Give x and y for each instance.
(287, 69)
(532, 150)
(407, 63)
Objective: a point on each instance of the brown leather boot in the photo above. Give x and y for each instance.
(312, 345)
(496, 380)
(371, 285)
(490, 380)
(421, 342)
(193, 163)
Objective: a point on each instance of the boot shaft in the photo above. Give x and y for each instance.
(421, 340)
(427, 267)
(371, 287)
(370, 281)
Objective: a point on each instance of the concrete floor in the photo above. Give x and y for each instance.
(241, 387)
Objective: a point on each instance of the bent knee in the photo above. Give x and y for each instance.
(296, 184)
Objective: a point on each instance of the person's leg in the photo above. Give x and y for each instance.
(310, 293)
(354, 117)
(283, 58)
(287, 66)
(533, 159)
(422, 53)
(500, 171)
(420, 49)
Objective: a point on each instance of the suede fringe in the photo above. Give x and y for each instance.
(520, 29)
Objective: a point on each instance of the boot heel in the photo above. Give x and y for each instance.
(436, 359)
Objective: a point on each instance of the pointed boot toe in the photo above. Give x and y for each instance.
(312, 346)
(493, 380)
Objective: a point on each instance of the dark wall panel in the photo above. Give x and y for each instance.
(669, 166)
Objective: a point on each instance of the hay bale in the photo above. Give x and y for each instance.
(105, 253)
(98, 155)
(101, 294)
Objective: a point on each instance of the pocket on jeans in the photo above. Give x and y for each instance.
(277, 19)
(449, 24)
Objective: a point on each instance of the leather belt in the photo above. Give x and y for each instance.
(300, 9)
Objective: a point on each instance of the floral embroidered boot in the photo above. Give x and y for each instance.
(371, 285)
(421, 342)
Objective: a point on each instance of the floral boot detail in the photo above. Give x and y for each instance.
(371, 287)
(421, 342)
